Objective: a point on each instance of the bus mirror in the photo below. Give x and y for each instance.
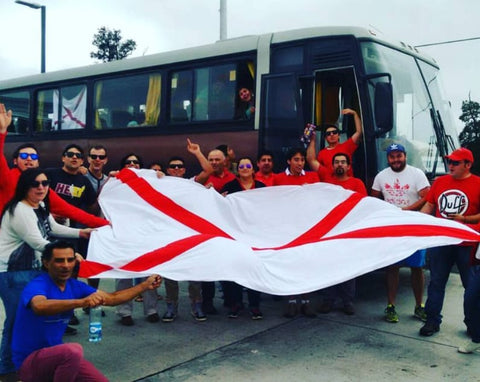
(383, 107)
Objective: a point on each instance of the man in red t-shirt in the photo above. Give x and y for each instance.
(323, 162)
(295, 175)
(219, 177)
(265, 168)
(455, 196)
(346, 290)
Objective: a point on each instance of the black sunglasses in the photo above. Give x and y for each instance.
(95, 156)
(33, 156)
(331, 132)
(37, 183)
(454, 162)
(174, 166)
(132, 161)
(71, 154)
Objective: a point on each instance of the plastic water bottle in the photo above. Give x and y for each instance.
(95, 326)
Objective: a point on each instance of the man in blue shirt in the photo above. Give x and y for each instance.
(45, 308)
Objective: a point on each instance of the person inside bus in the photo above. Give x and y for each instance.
(245, 107)
(323, 162)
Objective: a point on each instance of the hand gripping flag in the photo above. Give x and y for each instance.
(281, 240)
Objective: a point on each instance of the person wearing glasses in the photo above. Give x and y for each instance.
(26, 228)
(454, 196)
(73, 187)
(406, 187)
(26, 156)
(176, 168)
(131, 161)
(323, 165)
(97, 159)
(233, 292)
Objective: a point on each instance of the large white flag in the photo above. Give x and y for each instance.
(282, 240)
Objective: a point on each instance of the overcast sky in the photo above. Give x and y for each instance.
(163, 25)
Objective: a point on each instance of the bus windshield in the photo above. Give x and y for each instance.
(417, 122)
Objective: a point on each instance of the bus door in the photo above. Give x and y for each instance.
(334, 90)
(281, 120)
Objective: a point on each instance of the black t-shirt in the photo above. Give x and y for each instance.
(74, 189)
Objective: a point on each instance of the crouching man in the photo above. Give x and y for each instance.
(44, 311)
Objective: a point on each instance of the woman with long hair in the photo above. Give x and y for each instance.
(244, 181)
(26, 228)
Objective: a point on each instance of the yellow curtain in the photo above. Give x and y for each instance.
(152, 108)
(318, 103)
(98, 95)
(328, 97)
(251, 69)
(40, 107)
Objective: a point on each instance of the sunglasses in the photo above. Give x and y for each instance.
(26, 155)
(132, 161)
(37, 183)
(71, 154)
(242, 166)
(454, 162)
(175, 166)
(331, 132)
(95, 156)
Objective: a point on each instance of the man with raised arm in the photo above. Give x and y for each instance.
(26, 156)
(46, 305)
(176, 168)
(323, 162)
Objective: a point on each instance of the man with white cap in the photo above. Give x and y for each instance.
(454, 196)
(406, 187)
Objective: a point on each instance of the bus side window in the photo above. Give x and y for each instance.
(180, 96)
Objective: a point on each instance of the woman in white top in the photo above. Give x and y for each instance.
(26, 227)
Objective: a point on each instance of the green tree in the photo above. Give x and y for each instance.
(110, 46)
(470, 135)
(471, 118)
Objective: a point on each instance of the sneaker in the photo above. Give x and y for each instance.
(69, 331)
(234, 311)
(153, 318)
(307, 311)
(349, 309)
(419, 313)
(291, 310)
(326, 307)
(170, 314)
(429, 329)
(256, 314)
(469, 347)
(73, 320)
(197, 312)
(391, 314)
(126, 321)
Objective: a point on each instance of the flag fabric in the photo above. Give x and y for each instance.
(282, 240)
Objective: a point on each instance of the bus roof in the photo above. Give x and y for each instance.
(219, 48)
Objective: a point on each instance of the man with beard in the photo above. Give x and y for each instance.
(346, 290)
(265, 168)
(405, 187)
(455, 196)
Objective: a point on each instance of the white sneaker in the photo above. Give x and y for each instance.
(469, 347)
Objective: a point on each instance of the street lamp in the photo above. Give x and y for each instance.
(42, 7)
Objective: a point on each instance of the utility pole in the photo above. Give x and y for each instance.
(223, 19)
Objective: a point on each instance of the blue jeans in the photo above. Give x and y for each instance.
(441, 263)
(11, 287)
(471, 304)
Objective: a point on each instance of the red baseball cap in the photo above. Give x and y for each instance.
(461, 154)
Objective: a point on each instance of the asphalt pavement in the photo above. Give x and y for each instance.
(331, 347)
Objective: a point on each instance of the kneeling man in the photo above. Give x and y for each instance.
(45, 308)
